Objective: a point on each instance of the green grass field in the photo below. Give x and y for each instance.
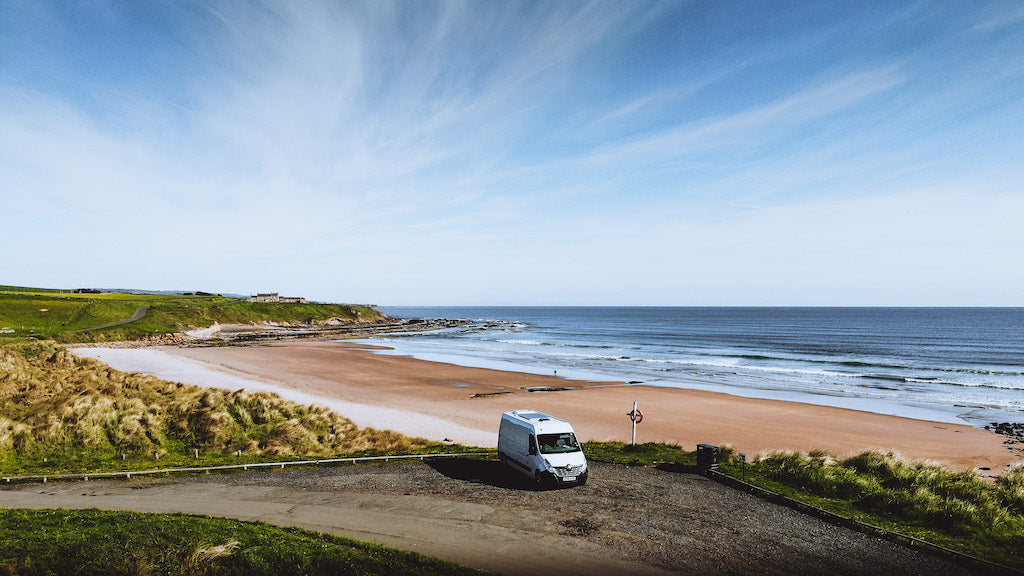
(51, 314)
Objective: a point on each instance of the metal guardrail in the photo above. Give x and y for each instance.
(127, 474)
(864, 527)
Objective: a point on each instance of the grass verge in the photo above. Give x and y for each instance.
(647, 454)
(93, 542)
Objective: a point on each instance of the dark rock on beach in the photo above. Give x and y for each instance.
(1014, 430)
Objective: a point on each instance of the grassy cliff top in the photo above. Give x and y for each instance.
(65, 316)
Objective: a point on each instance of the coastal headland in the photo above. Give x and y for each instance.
(463, 404)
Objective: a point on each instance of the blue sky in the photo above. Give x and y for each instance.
(534, 153)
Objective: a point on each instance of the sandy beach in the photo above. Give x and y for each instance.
(447, 402)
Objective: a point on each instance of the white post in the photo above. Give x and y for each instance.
(633, 418)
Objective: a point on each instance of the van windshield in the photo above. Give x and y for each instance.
(558, 443)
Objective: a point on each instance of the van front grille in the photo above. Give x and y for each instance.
(569, 471)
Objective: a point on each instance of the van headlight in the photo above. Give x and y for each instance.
(547, 465)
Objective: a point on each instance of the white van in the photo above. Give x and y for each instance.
(541, 447)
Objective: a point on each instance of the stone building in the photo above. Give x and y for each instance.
(275, 297)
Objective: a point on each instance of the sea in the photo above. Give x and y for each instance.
(956, 365)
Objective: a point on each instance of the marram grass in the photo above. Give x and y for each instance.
(62, 413)
(959, 510)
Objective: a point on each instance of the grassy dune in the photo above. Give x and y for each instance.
(62, 413)
(47, 314)
(958, 510)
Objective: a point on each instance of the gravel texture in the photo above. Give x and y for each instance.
(675, 522)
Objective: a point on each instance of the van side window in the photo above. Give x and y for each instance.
(533, 444)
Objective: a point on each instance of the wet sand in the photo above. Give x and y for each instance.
(443, 401)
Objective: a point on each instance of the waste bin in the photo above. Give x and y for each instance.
(707, 458)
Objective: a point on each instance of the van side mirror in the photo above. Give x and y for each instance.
(533, 445)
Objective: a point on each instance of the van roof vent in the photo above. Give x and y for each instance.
(533, 415)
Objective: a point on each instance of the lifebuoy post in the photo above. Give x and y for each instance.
(636, 416)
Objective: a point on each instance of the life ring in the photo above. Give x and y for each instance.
(636, 416)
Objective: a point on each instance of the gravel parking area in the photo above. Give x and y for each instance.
(625, 520)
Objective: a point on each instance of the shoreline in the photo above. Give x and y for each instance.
(442, 401)
(718, 384)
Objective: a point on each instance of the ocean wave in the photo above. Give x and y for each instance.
(874, 365)
(525, 342)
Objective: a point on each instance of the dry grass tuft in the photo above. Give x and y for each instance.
(204, 555)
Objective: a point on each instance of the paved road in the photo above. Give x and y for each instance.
(624, 521)
(138, 314)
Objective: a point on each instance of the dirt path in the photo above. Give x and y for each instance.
(624, 521)
(139, 313)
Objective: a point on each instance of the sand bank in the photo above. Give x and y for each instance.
(439, 401)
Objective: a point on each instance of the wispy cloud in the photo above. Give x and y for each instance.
(1014, 16)
(570, 141)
